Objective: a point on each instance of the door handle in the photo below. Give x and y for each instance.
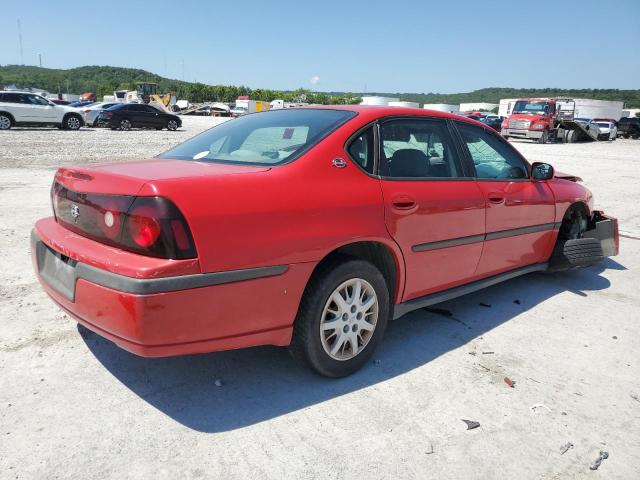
(495, 197)
(403, 202)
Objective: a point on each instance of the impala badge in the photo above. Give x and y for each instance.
(75, 212)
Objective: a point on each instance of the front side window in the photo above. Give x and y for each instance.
(417, 149)
(37, 100)
(267, 138)
(361, 150)
(492, 157)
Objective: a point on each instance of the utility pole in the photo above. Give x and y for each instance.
(40, 59)
(20, 43)
(183, 69)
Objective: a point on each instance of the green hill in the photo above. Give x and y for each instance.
(103, 80)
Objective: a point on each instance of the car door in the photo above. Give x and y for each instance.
(520, 212)
(433, 208)
(40, 109)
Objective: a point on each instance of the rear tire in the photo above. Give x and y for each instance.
(342, 317)
(6, 122)
(125, 124)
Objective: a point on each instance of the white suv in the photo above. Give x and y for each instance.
(26, 108)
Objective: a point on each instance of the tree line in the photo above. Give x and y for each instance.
(104, 80)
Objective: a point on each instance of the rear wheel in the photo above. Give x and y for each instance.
(125, 124)
(342, 317)
(5, 122)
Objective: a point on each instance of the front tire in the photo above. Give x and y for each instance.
(172, 125)
(72, 122)
(342, 317)
(5, 122)
(544, 138)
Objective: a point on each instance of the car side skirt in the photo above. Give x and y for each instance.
(433, 298)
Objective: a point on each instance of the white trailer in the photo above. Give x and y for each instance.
(373, 100)
(404, 104)
(442, 107)
(584, 108)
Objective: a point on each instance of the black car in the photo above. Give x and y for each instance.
(126, 116)
(493, 122)
(629, 127)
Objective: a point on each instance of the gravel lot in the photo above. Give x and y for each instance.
(73, 405)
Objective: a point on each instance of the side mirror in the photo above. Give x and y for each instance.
(541, 171)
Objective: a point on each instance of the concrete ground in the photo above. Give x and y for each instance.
(73, 405)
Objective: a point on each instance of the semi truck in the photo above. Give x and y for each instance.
(556, 119)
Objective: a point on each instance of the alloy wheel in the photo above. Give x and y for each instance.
(73, 123)
(125, 125)
(349, 319)
(172, 125)
(5, 122)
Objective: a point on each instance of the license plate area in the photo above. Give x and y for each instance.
(57, 270)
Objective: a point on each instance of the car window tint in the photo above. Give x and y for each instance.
(492, 157)
(361, 150)
(417, 149)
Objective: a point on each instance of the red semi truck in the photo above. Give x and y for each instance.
(545, 119)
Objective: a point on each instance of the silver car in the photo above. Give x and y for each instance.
(608, 129)
(90, 112)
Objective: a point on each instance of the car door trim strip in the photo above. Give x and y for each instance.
(512, 232)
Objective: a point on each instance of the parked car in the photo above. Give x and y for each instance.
(125, 116)
(493, 121)
(592, 128)
(30, 109)
(90, 113)
(608, 130)
(629, 127)
(294, 228)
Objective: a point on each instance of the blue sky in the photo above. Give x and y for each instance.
(391, 46)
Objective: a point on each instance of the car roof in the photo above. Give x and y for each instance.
(376, 111)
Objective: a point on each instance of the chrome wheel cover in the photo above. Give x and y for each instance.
(349, 319)
(5, 122)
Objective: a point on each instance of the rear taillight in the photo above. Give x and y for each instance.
(147, 225)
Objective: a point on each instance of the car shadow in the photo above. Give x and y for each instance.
(228, 390)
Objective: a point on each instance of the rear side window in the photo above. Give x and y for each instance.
(492, 157)
(268, 138)
(417, 149)
(361, 150)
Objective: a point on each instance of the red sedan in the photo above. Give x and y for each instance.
(308, 228)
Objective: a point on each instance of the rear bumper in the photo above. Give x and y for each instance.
(531, 134)
(158, 317)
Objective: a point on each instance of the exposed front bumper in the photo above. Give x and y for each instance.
(605, 229)
(530, 134)
(157, 317)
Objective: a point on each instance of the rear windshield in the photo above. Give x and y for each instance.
(267, 138)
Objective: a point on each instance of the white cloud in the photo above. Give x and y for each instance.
(314, 80)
